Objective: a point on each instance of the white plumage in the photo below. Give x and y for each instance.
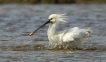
(71, 37)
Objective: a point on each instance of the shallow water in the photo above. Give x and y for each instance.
(16, 21)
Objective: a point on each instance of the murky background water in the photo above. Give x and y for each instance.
(16, 21)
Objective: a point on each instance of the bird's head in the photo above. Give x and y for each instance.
(54, 18)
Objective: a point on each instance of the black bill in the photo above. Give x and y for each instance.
(39, 28)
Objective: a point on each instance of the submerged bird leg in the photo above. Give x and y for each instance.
(71, 48)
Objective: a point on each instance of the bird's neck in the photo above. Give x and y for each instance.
(52, 29)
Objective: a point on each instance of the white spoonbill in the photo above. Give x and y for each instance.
(71, 37)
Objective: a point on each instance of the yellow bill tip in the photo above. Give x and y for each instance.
(31, 33)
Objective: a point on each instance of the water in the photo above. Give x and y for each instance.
(16, 21)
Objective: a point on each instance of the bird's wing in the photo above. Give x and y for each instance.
(76, 33)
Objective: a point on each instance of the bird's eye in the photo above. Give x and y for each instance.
(51, 18)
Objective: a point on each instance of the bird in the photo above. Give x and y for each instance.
(71, 37)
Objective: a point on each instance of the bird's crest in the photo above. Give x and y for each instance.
(59, 17)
